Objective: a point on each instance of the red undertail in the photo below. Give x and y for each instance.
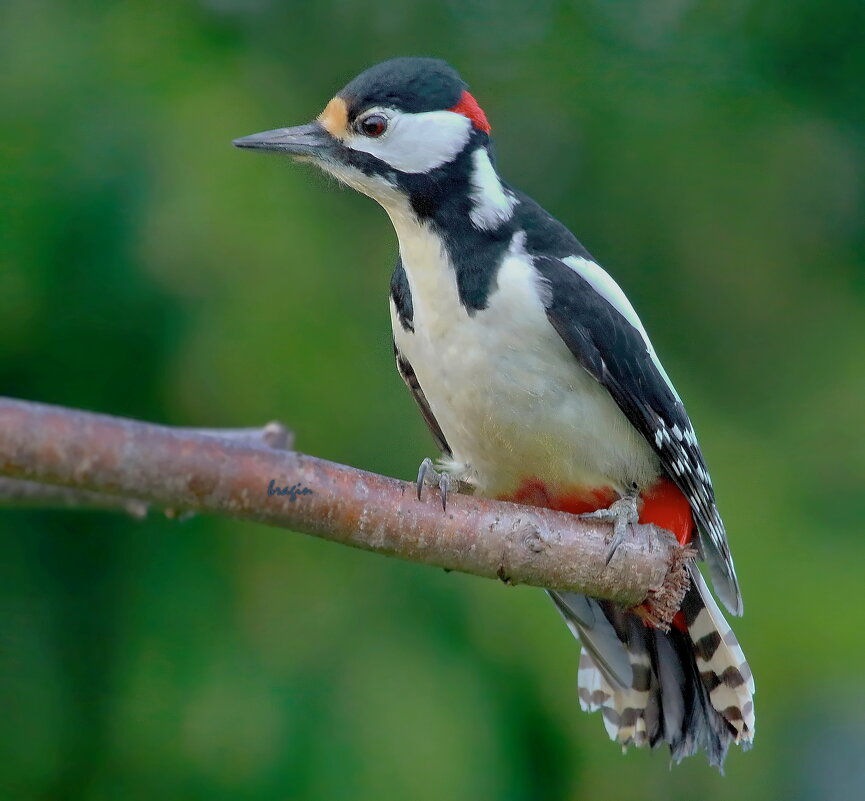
(663, 504)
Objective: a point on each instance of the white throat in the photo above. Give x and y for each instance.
(430, 273)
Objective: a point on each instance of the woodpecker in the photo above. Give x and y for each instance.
(540, 386)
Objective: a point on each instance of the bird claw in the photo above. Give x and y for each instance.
(423, 471)
(621, 513)
(428, 476)
(620, 528)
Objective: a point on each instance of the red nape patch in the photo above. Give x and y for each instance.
(469, 107)
(665, 505)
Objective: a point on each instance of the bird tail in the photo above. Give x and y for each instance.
(689, 688)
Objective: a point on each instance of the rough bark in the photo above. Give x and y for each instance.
(53, 456)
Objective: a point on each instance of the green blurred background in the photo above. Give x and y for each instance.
(710, 154)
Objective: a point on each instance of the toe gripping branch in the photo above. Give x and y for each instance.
(663, 602)
(428, 476)
(622, 513)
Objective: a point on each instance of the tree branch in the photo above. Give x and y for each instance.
(110, 462)
(22, 494)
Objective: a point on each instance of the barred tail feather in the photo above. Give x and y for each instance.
(691, 690)
(723, 669)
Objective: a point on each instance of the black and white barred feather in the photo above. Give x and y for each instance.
(690, 690)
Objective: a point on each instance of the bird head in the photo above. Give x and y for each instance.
(403, 129)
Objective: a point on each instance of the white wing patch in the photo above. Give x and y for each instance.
(602, 282)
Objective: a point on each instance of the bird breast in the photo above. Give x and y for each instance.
(509, 396)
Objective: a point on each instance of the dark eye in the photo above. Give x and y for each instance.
(373, 125)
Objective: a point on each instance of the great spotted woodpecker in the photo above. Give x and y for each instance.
(539, 385)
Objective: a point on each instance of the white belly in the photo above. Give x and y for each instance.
(509, 396)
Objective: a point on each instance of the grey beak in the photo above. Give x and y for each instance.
(304, 140)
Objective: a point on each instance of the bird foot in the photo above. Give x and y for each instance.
(445, 480)
(622, 513)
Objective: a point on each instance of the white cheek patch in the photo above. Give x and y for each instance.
(416, 143)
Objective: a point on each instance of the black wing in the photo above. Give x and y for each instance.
(616, 353)
(407, 373)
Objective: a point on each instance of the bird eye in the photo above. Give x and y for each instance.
(373, 125)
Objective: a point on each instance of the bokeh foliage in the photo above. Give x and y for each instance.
(711, 154)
